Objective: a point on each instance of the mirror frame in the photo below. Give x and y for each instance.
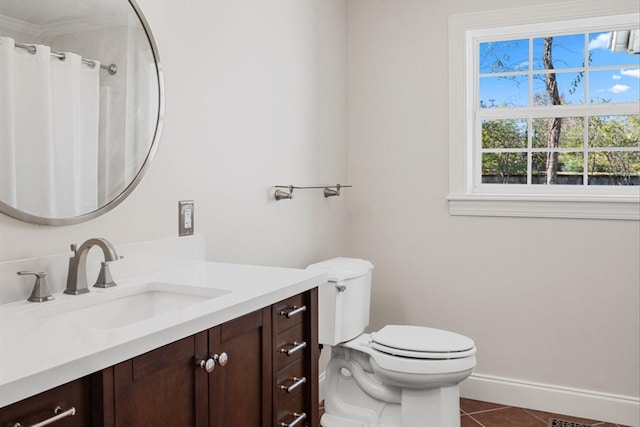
(34, 219)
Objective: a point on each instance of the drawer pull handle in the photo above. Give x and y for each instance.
(294, 310)
(297, 383)
(297, 346)
(299, 418)
(60, 414)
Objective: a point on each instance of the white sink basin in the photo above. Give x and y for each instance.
(118, 307)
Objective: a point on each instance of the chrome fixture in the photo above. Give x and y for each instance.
(281, 194)
(77, 278)
(59, 414)
(329, 190)
(294, 310)
(210, 364)
(40, 292)
(299, 417)
(297, 346)
(32, 49)
(297, 382)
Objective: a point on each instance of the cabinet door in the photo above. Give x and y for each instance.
(76, 394)
(240, 391)
(164, 387)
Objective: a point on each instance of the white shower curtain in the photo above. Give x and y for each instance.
(49, 111)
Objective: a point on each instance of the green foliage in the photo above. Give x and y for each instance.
(504, 133)
(606, 134)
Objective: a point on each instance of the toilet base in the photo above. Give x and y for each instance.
(418, 409)
(355, 397)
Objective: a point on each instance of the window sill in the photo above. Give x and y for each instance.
(614, 207)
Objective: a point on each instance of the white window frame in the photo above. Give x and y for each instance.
(466, 197)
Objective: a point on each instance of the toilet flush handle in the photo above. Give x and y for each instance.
(341, 287)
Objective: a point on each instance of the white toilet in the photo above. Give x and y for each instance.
(400, 376)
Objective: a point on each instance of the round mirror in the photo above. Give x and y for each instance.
(81, 106)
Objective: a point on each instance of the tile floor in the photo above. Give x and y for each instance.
(483, 414)
(474, 413)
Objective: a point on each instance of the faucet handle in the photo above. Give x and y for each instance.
(40, 291)
(104, 279)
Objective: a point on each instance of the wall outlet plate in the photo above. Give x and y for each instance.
(185, 217)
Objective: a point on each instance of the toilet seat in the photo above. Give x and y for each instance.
(418, 342)
(410, 365)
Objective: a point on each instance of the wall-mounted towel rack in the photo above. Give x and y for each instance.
(329, 190)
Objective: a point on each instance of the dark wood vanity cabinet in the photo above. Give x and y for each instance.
(76, 394)
(265, 370)
(295, 366)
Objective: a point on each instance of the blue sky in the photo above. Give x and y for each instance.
(619, 83)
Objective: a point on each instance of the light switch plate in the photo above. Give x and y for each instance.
(185, 217)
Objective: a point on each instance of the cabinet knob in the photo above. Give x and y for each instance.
(221, 358)
(207, 365)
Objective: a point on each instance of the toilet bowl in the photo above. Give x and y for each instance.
(399, 376)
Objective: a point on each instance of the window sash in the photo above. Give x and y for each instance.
(476, 114)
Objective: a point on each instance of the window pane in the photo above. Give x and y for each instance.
(504, 168)
(621, 85)
(569, 168)
(508, 91)
(565, 52)
(570, 89)
(614, 131)
(614, 168)
(504, 56)
(611, 48)
(504, 133)
(571, 132)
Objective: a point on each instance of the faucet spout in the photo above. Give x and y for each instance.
(77, 277)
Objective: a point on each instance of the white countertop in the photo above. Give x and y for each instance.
(37, 354)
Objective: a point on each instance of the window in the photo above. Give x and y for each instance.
(551, 113)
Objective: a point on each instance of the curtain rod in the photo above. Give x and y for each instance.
(112, 69)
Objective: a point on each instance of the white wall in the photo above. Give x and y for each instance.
(255, 96)
(547, 301)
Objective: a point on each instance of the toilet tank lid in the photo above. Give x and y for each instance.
(341, 268)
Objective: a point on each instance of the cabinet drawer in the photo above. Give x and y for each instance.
(290, 382)
(76, 394)
(290, 312)
(293, 414)
(291, 345)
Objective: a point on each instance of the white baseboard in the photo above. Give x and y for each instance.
(612, 408)
(549, 398)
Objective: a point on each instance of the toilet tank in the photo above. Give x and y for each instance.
(343, 303)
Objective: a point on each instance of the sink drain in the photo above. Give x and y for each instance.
(554, 422)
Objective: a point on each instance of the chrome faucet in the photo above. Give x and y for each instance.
(77, 278)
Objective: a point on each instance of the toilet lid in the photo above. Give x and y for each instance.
(340, 269)
(422, 343)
